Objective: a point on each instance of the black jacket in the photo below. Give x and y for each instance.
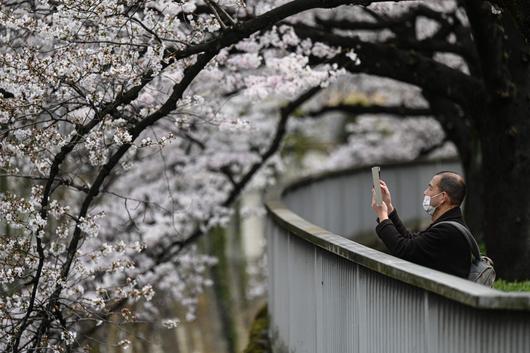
(442, 248)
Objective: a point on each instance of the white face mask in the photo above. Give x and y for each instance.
(427, 204)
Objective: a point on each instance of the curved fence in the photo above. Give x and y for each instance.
(331, 294)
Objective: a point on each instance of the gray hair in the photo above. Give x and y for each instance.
(453, 184)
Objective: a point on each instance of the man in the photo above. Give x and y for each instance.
(443, 248)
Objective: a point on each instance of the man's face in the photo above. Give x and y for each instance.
(434, 192)
(433, 187)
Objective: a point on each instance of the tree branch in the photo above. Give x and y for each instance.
(404, 66)
(358, 109)
(386, 22)
(6, 94)
(243, 30)
(426, 150)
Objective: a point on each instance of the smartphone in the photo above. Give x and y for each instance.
(376, 174)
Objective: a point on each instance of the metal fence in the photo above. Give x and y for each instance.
(330, 294)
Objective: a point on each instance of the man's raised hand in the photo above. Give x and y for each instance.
(387, 198)
(380, 211)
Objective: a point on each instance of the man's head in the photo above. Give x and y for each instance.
(446, 190)
(453, 184)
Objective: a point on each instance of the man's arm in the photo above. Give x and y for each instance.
(418, 247)
(401, 228)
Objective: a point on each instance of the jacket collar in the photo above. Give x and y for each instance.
(454, 214)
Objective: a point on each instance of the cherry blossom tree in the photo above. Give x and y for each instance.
(129, 128)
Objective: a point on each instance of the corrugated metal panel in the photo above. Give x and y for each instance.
(458, 328)
(301, 274)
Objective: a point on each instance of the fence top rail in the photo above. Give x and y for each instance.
(448, 286)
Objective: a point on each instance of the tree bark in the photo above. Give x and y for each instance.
(504, 130)
(505, 141)
(506, 201)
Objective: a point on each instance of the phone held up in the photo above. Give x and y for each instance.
(376, 174)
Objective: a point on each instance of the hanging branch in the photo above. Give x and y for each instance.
(358, 109)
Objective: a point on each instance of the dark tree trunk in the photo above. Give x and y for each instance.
(506, 171)
(505, 141)
(504, 130)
